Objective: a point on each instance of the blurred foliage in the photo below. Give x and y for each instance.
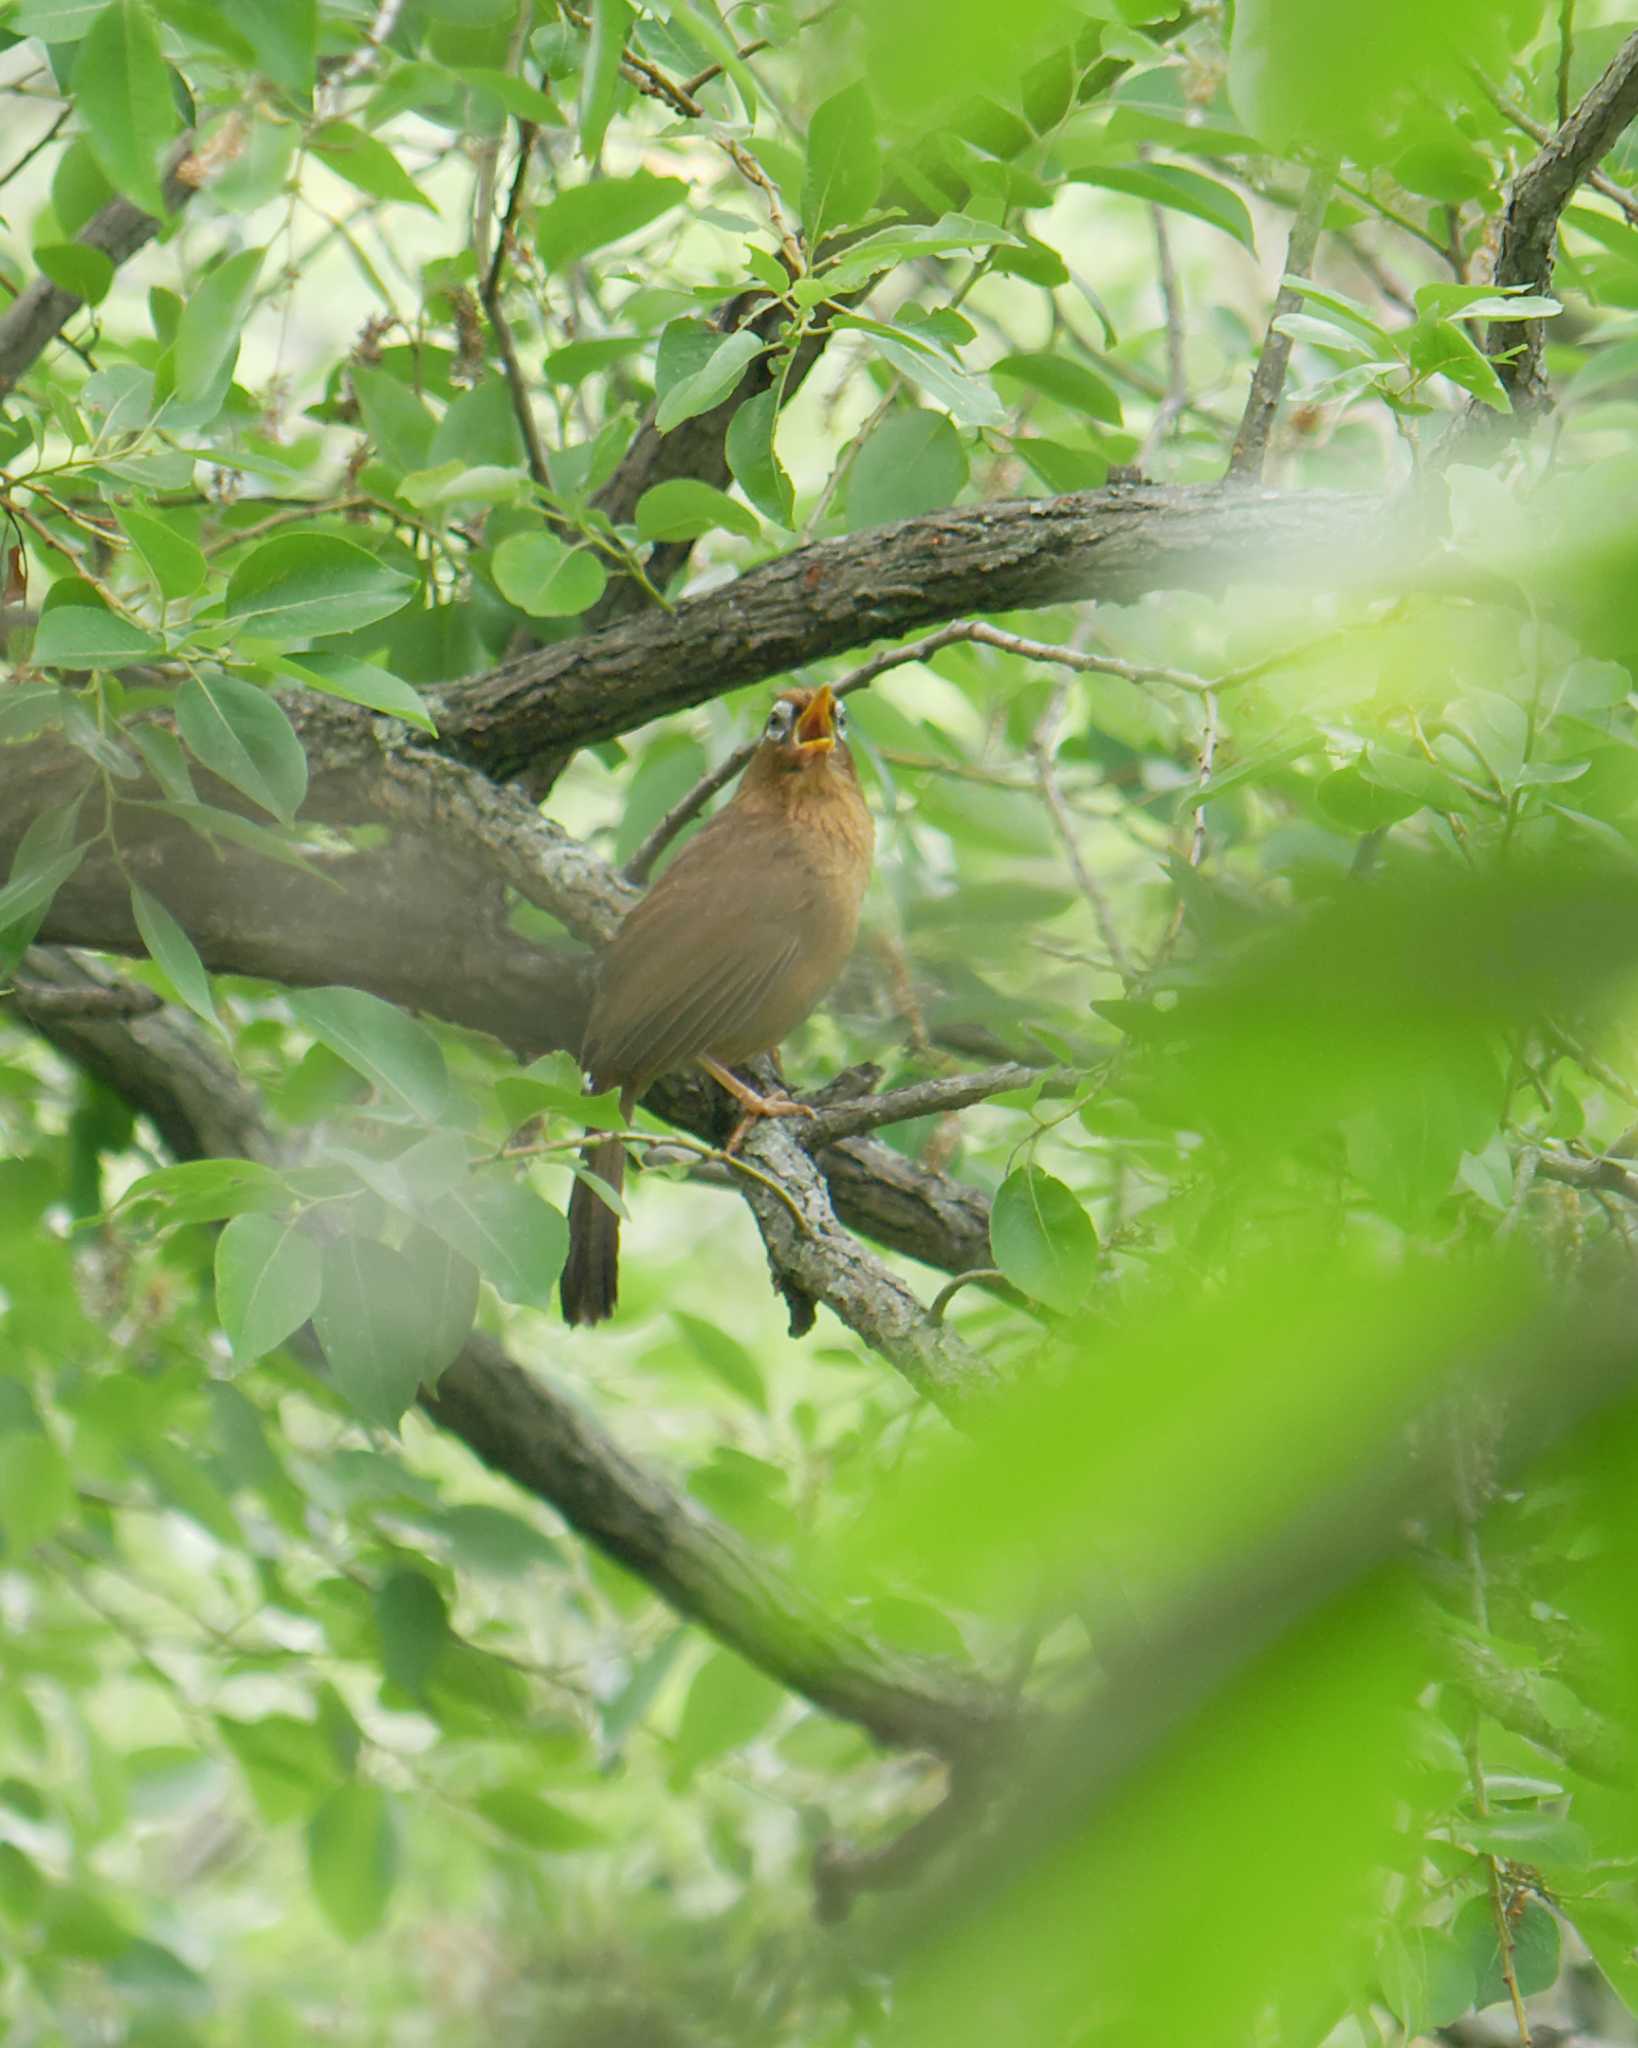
(1308, 1535)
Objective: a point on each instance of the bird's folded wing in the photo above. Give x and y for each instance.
(702, 958)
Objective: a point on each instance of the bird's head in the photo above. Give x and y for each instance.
(806, 733)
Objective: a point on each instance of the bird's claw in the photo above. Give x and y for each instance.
(764, 1105)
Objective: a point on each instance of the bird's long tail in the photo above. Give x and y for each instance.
(591, 1277)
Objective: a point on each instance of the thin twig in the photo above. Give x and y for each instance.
(1542, 136)
(1268, 379)
(1176, 400)
(652, 1141)
(977, 631)
(982, 1275)
(1044, 748)
(35, 148)
(831, 1122)
(491, 295)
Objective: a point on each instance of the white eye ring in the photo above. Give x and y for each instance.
(839, 721)
(780, 720)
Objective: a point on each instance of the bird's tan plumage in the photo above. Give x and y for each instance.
(729, 951)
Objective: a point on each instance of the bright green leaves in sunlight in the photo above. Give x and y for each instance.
(582, 218)
(600, 75)
(123, 90)
(700, 369)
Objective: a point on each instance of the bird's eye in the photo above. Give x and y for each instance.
(780, 720)
(838, 719)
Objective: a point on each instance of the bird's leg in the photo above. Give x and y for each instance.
(752, 1104)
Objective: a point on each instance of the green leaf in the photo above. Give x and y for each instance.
(36, 1491)
(683, 508)
(1043, 1240)
(938, 374)
(77, 268)
(516, 1240)
(284, 36)
(844, 171)
(360, 682)
(206, 1190)
(874, 253)
(268, 1271)
(600, 76)
(88, 636)
(289, 1763)
(1182, 191)
(1428, 1979)
(395, 418)
(1442, 349)
(123, 93)
(709, 385)
(724, 1355)
(207, 335)
(305, 584)
(1535, 1950)
(352, 1858)
(366, 162)
(524, 101)
(173, 950)
(582, 359)
(586, 217)
(536, 1822)
(728, 1704)
(171, 559)
(242, 734)
(914, 462)
(537, 573)
(413, 1624)
(398, 1056)
(754, 460)
(35, 878)
(1060, 377)
(370, 1320)
(447, 1282)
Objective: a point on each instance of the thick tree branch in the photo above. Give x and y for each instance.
(515, 1421)
(1111, 546)
(1539, 196)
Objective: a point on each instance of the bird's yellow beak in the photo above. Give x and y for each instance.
(816, 728)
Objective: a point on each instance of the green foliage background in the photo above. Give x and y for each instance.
(1304, 1529)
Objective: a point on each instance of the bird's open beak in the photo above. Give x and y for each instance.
(816, 728)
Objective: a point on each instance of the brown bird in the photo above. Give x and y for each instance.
(727, 953)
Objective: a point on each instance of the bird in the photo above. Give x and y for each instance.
(726, 954)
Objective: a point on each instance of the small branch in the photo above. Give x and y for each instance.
(1539, 196)
(35, 148)
(1603, 1175)
(491, 296)
(921, 1098)
(1250, 450)
(1044, 748)
(119, 230)
(841, 1873)
(1590, 1744)
(1176, 400)
(986, 1276)
(38, 999)
(385, 21)
(975, 631)
(1539, 135)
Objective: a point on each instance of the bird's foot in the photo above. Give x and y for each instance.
(766, 1105)
(752, 1105)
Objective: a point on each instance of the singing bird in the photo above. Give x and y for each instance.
(727, 953)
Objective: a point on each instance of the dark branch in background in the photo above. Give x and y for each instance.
(1110, 546)
(1539, 196)
(1541, 136)
(166, 1068)
(490, 293)
(1250, 449)
(119, 230)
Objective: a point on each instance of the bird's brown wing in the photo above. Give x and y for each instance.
(705, 957)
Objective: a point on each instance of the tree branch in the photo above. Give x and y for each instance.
(1539, 196)
(119, 230)
(1250, 449)
(1110, 545)
(922, 1098)
(519, 1424)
